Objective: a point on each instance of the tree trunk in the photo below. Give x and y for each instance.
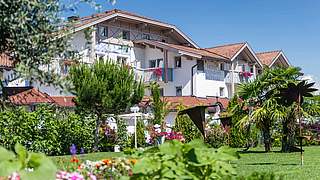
(96, 133)
(267, 139)
(288, 140)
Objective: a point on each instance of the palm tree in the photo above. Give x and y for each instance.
(259, 96)
(292, 97)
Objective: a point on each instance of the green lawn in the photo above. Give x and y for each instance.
(287, 164)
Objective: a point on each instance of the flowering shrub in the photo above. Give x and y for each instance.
(172, 136)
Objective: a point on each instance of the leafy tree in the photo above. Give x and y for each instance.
(104, 88)
(159, 106)
(34, 34)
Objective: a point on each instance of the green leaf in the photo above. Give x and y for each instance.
(9, 167)
(21, 153)
(171, 147)
(6, 155)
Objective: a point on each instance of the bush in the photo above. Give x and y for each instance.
(141, 139)
(122, 135)
(175, 160)
(47, 130)
(216, 136)
(189, 130)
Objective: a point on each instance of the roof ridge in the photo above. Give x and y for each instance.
(231, 44)
(265, 52)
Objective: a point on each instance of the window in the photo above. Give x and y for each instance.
(221, 91)
(200, 65)
(126, 35)
(177, 62)
(251, 68)
(146, 36)
(122, 60)
(103, 31)
(155, 63)
(179, 91)
(243, 68)
(222, 66)
(152, 63)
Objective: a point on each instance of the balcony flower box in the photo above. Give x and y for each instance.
(246, 74)
(158, 72)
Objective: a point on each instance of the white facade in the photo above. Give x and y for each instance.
(116, 39)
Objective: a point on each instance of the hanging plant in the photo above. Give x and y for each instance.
(246, 74)
(158, 72)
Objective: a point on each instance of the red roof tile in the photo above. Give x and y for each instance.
(187, 101)
(31, 96)
(267, 58)
(5, 61)
(64, 101)
(228, 50)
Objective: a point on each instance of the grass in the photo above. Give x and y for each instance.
(286, 164)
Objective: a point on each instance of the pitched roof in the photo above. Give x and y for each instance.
(88, 21)
(187, 101)
(64, 101)
(195, 51)
(267, 58)
(228, 50)
(5, 61)
(31, 96)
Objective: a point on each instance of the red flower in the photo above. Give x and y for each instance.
(158, 72)
(74, 159)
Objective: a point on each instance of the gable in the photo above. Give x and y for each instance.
(85, 22)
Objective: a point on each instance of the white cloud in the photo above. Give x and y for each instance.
(312, 78)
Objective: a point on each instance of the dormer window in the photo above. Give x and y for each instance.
(103, 31)
(126, 35)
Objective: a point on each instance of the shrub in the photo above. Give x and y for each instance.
(185, 125)
(216, 136)
(175, 160)
(47, 130)
(141, 139)
(122, 134)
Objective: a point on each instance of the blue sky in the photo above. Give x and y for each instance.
(290, 25)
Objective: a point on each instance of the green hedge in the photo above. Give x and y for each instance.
(47, 130)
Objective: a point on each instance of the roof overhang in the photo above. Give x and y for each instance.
(163, 46)
(281, 54)
(246, 45)
(149, 21)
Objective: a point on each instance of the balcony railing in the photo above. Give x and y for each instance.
(238, 77)
(153, 74)
(216, 75)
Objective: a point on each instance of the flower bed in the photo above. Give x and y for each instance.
(103, 169)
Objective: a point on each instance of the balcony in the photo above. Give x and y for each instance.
(239, 77)
(153, 74)
(215, 75)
